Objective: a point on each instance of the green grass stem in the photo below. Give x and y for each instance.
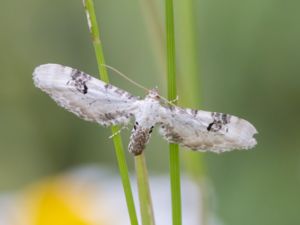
(117, 140)
(156, 33)
(189, 74)
(189, 79)
(172, 94)
(144, 190)
(190, 85)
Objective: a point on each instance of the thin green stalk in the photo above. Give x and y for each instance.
(94, 31)
(190, 85)
(172, 94)
(175, 184)
(189, 81)
(189, 76)
(156, 33)
(144, 190)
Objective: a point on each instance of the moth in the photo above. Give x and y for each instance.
(94, 100)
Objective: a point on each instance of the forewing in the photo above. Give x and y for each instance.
(84, 95)
(206, 131)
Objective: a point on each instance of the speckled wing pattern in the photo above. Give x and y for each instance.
(84, 95)
(96, 101)
(206, 131)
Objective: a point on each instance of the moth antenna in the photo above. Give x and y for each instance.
(169, 101)
(137, 84)
(125, 77)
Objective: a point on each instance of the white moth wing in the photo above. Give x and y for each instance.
(84, 95)
(206, 131)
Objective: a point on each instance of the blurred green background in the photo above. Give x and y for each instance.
(248, 59)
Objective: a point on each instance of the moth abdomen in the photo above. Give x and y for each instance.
(139, 139)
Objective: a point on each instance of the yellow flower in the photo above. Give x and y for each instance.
(55, 202)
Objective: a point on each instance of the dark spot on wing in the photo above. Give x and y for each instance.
(79, 80)
(219, 121)
(209, 126)
(225, 118)
(85, 89)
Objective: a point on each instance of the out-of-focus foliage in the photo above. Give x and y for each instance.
(249, 54)
(90, 196)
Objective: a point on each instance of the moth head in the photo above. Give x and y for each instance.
(153, 93)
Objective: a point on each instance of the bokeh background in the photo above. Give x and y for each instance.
(248, 61)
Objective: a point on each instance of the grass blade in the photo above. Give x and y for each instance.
(172, 94)
(94, 31)
(144, 190)
(190, 85)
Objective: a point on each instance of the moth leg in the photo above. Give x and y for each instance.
(174, 100)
